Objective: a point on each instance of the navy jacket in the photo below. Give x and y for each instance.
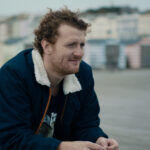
(23, 101)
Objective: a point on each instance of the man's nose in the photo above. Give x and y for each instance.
(78, 52)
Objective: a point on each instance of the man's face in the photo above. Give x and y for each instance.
(67, 52)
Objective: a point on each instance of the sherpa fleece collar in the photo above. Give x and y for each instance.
(70, 84)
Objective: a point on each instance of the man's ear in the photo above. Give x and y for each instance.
(47, 48)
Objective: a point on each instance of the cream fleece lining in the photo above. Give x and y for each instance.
(71, 83)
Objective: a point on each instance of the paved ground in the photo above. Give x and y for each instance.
(125, 106)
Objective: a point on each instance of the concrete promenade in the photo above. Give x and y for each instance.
(125, 106)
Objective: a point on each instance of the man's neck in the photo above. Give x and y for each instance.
(54, 78)
(55, 83)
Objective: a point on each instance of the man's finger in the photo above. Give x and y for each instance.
(103, 142)
(113, 147)
(94, 146)
(112, 144)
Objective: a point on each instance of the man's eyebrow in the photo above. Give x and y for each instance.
(75, 42)
(71, 42)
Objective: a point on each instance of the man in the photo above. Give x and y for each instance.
(47, 97)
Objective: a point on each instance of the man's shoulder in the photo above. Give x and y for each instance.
(19, 64)
(18, 60)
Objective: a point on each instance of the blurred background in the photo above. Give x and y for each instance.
(117, 48)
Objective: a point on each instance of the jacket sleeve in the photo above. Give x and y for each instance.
(15, 116)
(87, 127)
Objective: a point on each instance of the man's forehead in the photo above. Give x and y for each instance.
(65, 29)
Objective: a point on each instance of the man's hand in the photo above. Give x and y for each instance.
(108, 144)
(80, 145)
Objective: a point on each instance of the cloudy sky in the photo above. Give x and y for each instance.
(11, 7)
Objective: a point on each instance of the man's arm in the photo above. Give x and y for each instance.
(80, 145)
(88, 122)
(86, 127)
(16, 131)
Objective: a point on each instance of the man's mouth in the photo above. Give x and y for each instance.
(75, 62)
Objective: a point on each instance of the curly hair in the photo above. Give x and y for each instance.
(48, 27)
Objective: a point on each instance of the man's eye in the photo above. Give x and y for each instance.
(82, 45)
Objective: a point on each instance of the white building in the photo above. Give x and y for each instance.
(103, 27)
(21, 26)
(3, 32)
(127, 27)
(16, 26)
(119, 27)
(144, 25)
